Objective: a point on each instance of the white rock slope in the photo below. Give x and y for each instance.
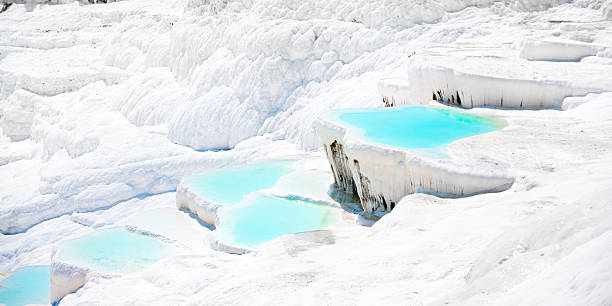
(104, 108)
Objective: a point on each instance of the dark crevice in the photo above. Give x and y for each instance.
(5, 7)
(366, 196)
(343, 178)
(347, 179)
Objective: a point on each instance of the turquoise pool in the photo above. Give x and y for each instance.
(26, 285)
(228, 185)
(416, 127)
(113, 250)
(261, 218)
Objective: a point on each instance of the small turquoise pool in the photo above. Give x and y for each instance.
(113, 250)
(228, 185)
(261, 218)
(26, 285)
(416, 127)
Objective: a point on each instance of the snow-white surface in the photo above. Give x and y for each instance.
(559, 50)
(473, 77)
(102, 106)
(306, 184)
(191, 201)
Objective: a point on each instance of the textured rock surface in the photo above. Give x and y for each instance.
(382, 175)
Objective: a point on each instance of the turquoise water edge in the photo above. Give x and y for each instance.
(414, 127)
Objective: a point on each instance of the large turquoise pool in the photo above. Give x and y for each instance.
(113, 250)
(27, 285)
(228, 185)
(417, 127)
(261, 218)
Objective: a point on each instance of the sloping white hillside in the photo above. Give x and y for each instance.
(104, 108)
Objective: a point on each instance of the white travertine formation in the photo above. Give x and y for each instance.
(382, 175)
(497, 78)
(66, 278)
(189, 200)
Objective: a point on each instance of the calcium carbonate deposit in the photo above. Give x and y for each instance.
(231, 152)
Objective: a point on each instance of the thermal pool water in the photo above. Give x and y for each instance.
(414, 127)
(228, 185)
(113, 250)
(261, 218)
(26, 285)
